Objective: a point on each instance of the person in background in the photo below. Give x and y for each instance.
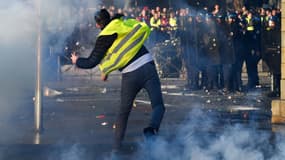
(211, 46)
(155, 27)
(272, 54)
(227, 53)
(252, 50)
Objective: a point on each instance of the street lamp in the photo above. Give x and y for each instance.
(38, 88)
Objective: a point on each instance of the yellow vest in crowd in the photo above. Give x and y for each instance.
(131, 35)
(173, 23)
(250, 26)
(154, 23)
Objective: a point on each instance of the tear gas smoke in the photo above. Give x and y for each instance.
(193, 139)
(18, 39)
(17, 45)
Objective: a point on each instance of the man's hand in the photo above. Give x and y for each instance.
(104, 77)
(73, 58)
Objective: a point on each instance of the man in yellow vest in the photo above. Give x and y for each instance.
(119, 46)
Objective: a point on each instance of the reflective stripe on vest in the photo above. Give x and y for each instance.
(127, 38)
(124, 52)
(131, 36)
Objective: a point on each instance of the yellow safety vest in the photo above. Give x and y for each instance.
(250, 26)
(154, 23)
(173, 23)
(131, 35)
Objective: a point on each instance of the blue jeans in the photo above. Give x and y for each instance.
(132, 82)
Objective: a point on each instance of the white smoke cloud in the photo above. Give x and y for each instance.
(18, 35)
(18, 23)
(18, 44)
(194, 140)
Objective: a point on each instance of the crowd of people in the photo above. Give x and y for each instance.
(214, 43)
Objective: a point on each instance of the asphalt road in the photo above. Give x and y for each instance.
(79, 113)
